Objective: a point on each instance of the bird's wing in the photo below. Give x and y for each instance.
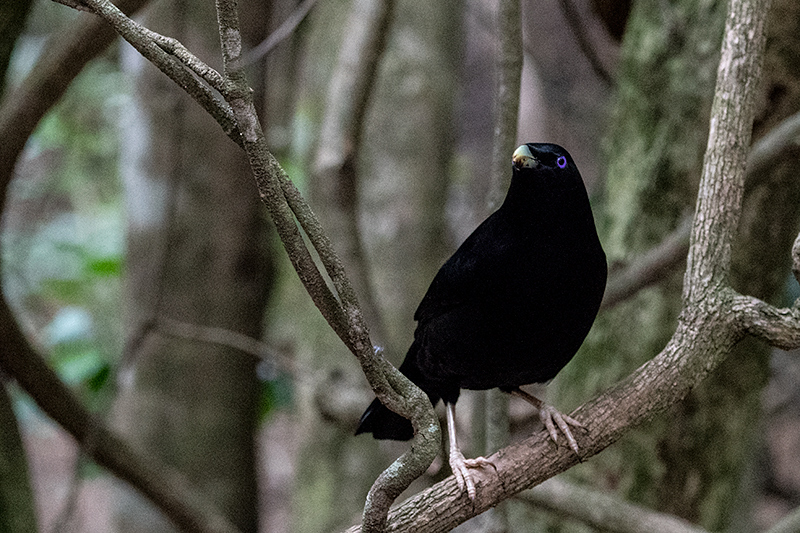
(465, 278)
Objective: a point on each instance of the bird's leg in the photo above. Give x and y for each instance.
(458, 464)
(551, 418)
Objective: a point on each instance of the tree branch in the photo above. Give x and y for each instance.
(719, 197)
(163, 485)
(650, 267)
(282, 32)
(602, 511)
(575, 22)
(777, 327)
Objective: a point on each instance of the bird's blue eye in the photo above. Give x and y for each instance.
(561, 162)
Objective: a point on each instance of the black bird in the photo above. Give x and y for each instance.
(512, 305)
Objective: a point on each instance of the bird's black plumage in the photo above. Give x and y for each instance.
(516, 300)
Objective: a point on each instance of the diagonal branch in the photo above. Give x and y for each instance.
(282, 32)
(169, 490)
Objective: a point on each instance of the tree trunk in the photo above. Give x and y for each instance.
(407, 160)
(197, 254)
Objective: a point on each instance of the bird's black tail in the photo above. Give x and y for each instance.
(384, 423)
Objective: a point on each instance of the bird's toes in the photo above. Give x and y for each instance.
(460, 467)
(571, 421)
(552, 418)
(479, 462)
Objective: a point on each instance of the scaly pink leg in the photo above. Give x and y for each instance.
(458, 464)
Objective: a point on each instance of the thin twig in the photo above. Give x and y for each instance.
(281, 32)
(575, 22)
(231, 339)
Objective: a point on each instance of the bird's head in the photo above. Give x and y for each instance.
(544, 173)
(540, 156)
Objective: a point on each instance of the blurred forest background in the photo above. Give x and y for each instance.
(139, 261)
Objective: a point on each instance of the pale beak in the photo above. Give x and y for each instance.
(523, 158)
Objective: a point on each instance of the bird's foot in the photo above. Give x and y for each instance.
(551, 417)
(460, 467)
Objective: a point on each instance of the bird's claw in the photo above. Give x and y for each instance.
(551, 417)
(460, 467)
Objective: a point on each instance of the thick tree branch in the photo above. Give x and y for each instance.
(719, 197)
(777, 327)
